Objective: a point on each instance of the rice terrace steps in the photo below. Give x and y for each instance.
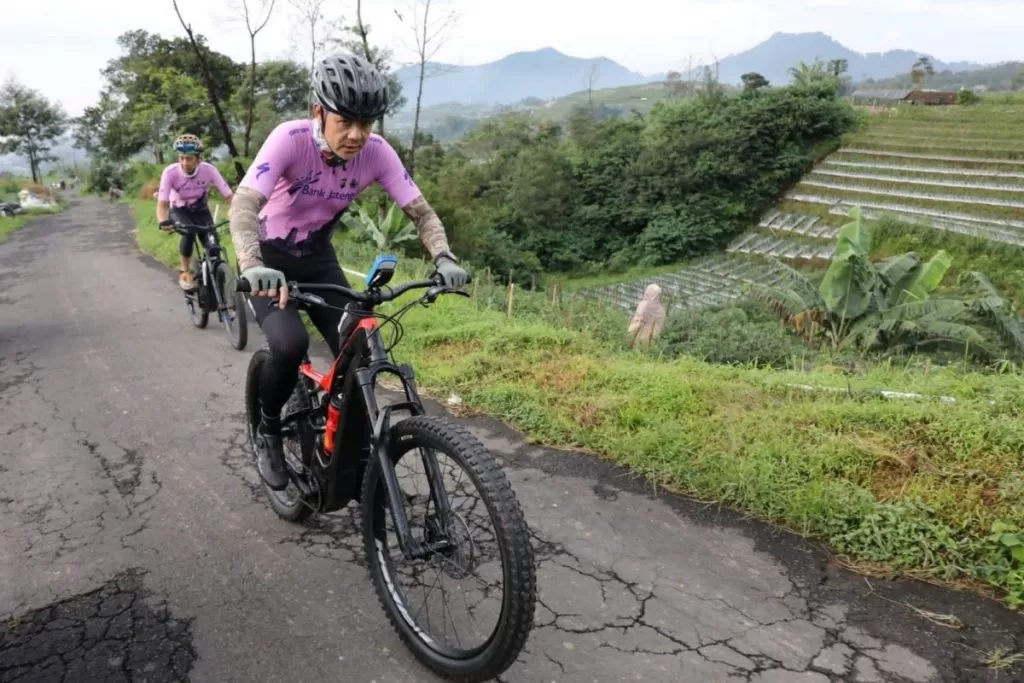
(952, 168)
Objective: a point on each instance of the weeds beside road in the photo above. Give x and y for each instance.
(926, 487)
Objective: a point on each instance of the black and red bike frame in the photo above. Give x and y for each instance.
(363, 433)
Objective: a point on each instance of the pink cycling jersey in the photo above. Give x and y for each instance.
(305, 195)
(183, 191)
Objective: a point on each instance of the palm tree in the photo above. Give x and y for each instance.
(805, 74)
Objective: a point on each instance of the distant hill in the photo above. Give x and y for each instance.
(773, 58)
(1005, 76)
(548, 73)
(450, 121)
(544, 74)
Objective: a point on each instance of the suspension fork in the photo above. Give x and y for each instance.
(380, 419)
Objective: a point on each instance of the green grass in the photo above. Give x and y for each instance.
(899, 158)
(915, 485)
(855, 196)
(641, 98)
(8, 226)
(955, 193)
(1002, 263)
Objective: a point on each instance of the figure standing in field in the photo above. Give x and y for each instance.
(183, 197)
(649, 319)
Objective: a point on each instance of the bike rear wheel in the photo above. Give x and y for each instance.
(298, 438)
(414, 440)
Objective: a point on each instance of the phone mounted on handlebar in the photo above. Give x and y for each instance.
(381, 272)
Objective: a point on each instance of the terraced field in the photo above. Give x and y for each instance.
(957, 169)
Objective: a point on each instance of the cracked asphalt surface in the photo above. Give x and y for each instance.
(135, 544)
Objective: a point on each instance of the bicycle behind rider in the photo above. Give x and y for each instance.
(183, 197)
(301, 181)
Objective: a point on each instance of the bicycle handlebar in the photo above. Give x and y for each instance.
(371, 296)
(185, 228)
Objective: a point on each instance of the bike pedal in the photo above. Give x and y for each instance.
(301, 478)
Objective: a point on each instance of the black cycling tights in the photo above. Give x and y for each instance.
(190, 216)
(283, 328)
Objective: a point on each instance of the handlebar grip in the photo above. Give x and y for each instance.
(242, 285)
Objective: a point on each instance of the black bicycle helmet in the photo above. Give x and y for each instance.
(350, 86)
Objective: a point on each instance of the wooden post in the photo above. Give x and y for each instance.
(511, 295)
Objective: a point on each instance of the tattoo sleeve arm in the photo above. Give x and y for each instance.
(245, 223)
(428, 225)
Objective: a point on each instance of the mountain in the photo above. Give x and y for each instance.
(775, 56)
(545, 73)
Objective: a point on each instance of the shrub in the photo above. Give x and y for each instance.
(39, 190)
(149, 189)
(740, 333)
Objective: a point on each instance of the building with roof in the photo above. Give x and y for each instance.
(896, 97)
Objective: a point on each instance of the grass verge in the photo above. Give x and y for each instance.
(931, 488)
(8, 226)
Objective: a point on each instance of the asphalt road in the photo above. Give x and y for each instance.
(135, 544)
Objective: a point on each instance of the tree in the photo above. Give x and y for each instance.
(28, 122)
(753, 82)
(89, 129)
(154, 91)
(711, 89)
(1017, 81)
(311, 16)
(355, 39)
(868, 305)
(211, 89)
(254, 23)
(837, 67)
(675, 85)
(805, 74)
(430, 36)
(921, 69)
(589, 80)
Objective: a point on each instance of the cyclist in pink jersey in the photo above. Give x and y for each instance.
(301, 181)
(182, 198)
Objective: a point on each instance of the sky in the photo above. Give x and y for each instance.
(61, 49)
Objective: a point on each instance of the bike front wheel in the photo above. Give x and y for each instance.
(232, 306)
(487, 568)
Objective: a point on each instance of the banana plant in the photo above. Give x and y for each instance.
(391, 230)
(867, 305)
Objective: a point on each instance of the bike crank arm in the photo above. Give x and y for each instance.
(303, 480)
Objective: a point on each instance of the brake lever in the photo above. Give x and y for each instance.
(315, 299)
(434, 292)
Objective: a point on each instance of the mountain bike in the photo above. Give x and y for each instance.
(215, 281)
(342, 445)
